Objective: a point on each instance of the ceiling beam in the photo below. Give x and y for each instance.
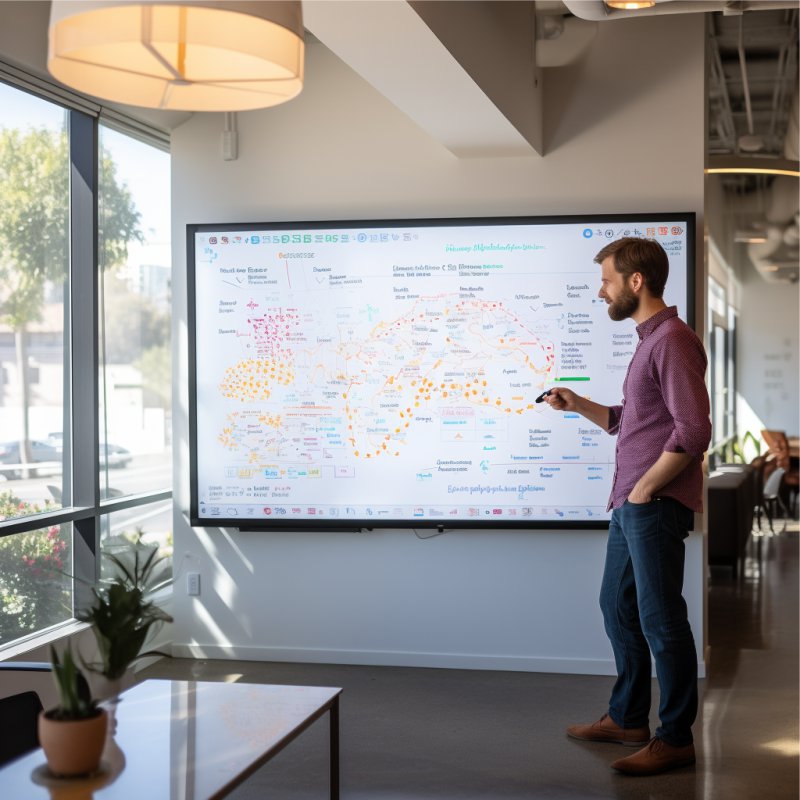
(465, 92)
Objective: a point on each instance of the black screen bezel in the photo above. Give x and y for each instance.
(687, 218)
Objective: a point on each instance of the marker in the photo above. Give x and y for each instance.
(542, 396)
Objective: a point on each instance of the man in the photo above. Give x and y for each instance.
(663, 429)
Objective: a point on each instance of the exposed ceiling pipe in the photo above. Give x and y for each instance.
(777, 93)
(749, 143)
(762, 254)
(718, 89)
(791, 147)
(782, 201)
(781, 212)
(758, 71)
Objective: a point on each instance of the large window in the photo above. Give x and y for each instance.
(84, 352)
(722, 381)
(34, 261)
(135, 396)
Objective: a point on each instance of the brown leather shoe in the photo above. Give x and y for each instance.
(606, 730)
(658, 756)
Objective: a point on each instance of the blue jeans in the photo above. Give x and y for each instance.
(644, 613)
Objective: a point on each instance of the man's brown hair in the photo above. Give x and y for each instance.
(646, 256)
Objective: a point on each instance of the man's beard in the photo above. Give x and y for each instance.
(624, 306)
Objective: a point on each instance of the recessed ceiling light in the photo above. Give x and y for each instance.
(751, 143)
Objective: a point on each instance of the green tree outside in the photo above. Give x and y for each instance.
(34, 233)
(133, 322)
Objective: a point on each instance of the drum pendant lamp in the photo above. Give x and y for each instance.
(220, 55)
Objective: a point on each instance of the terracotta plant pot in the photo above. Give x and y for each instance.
(73, 747)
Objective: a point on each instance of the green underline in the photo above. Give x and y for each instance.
(573, 379)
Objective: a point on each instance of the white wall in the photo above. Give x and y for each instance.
(624, 132)
(768, 377)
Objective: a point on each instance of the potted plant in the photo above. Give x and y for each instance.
(123, 612)
(73, 733)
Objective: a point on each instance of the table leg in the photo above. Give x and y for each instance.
(334, 757)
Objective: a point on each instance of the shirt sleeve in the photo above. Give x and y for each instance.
(680, 364)
(614, 419)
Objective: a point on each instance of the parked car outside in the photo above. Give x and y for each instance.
(40, 452)
(112, 455)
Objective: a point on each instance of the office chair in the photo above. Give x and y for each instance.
(772, 497)
(778, 445)
(762, 470)
(19, 714)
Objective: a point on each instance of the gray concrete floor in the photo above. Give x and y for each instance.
(414, 734)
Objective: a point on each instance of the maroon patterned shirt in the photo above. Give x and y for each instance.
(665, 408)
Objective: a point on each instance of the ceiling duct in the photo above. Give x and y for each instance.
(768, 259)
(776, 259)
(562, 40)
(598, 11)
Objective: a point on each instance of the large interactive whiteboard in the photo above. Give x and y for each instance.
(350, 375)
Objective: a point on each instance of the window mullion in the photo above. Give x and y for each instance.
(84, 441)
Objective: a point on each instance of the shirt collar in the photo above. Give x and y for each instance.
(651, 323)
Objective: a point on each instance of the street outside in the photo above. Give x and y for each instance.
(144, 473)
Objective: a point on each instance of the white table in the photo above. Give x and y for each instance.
(186, 740)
